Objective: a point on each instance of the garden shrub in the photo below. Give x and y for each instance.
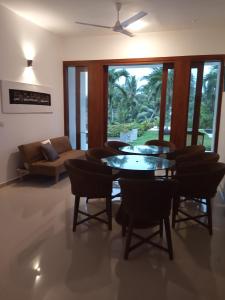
(115, 129)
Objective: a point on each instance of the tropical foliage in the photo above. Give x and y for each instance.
(209, 90)
(135, 102)
(130, 103)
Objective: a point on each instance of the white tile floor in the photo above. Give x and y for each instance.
(41, 258)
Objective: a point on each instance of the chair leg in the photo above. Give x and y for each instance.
(168, 237)
(209, 213)
(109, 212)
(161, 228)
(176, 201)
(128, 239)
(75, 215)
(167, 173)
(87, 199)
(123, 229)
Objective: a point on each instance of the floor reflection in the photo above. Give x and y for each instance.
(42, 259)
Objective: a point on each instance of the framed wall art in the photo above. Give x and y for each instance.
(22, 98)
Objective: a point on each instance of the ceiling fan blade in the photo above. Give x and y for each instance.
(133, 19)
(95, 25)
(126, 32)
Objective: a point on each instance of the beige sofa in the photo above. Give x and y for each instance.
(36, 163)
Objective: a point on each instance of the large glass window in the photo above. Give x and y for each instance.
(78, 107)
(203, 101)
(134, 102)
(168, 108)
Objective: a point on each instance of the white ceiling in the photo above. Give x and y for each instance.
(59, 16)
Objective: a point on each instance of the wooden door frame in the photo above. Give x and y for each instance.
(166, 67)
(198, 99)
(78, 70)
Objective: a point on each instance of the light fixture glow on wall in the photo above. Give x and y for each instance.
(28, 50)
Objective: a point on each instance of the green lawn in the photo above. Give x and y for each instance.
(154, 135)
(148, 135)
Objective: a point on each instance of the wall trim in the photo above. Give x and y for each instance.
(9, 182)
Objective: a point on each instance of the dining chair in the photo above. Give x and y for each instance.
(209, 157)
(96, 154)
(90, 180)
(187, 153)
(199, 162)
(197, 183)
(115, 145)
(146, 204)
(161, 143)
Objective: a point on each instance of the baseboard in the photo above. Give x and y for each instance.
(11, 181)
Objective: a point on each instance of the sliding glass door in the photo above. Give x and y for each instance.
(203, 104)
(78, 107)
(134, 100)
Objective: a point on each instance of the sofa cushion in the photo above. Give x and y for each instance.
(51, 168)
(72, 154)
(46, 141)
(61, 144)
(49, 152)
(31, 152)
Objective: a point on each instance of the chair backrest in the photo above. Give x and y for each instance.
(186, 153)
(200, 163)
(209, 156)
(89, 179)
(201, 181)
(95, 154)
(189, 153)
(115, 145)
(161, 143)
(147, 200)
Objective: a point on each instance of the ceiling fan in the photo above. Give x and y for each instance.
(119, 26)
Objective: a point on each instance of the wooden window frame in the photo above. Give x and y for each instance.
(97, 87)
(166, 67)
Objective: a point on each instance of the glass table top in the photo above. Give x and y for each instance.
(145, 149)
(137, 162)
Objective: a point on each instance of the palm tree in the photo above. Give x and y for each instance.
(113, 86)
(152, 92)
(209, 91)
(193, 80)
(130, 98)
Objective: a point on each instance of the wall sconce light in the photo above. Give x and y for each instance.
(29, 62)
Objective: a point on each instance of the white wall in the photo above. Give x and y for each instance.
(16, 129)
(15, 32)
(156, 44)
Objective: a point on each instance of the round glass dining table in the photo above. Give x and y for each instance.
(145, 150)
(137, 162)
